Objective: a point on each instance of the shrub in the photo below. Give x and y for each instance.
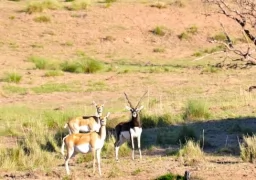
(220, 37)
(159, 30)
(42, 63)
(80, 5)
(192, 30)
(248, 148)
(191, 153)
(12, 77)
(184, 36)
(170, 176)
(159, 5)
(196, 110)
(41, 19)
(39, 6)
(82, 65)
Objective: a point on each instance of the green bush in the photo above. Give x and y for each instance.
(159, 30)
(170, 176)
(43, 63)
(196, 110)
(82, 65)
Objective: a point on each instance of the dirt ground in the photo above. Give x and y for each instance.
(121, 32)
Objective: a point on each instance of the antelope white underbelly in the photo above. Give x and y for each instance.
(136, 131)
(84, 128)
(83, 148)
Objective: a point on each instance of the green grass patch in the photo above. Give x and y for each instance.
(53, 73)
(159, 31)
(54, 87)
(170, 176)
(14, 89)
(196, 110)
(43, 63)
(82, 65)
(12, 77)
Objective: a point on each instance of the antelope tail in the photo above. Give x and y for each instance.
(63, 146)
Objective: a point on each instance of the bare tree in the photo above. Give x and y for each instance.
(243, 12)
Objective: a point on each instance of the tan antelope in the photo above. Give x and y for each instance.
(86, 123)
(85, 143)
(127, 131)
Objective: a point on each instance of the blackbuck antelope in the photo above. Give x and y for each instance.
(126, 131)
(86, 123)
(85, 143)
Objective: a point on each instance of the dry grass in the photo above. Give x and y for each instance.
(191, 153)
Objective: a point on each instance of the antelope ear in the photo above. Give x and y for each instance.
(94, 103)
(128, 108)
(108, 114)
(140, 108)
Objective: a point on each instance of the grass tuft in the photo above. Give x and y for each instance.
(12, 77)
(40, 6)
(248, 149)
(196, 110)
(42, 19)
(191, 153)
(82, 65)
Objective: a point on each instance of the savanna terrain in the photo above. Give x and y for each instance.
(56, 58)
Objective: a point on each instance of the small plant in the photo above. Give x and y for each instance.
(184, 36)
(12, 77)
(220, 37)
(192, 30)
(159, 30)
(42, 19)
(40, 6)
(82, 65)
(191, 153)
(170, 176)
(80, 5)
(42, 63)
(248, 149)
(196, 110)
(159, 50)
(159, 5)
